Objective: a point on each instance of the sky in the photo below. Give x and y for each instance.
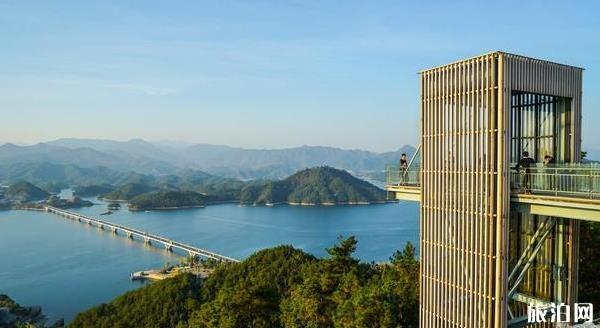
(262, 74)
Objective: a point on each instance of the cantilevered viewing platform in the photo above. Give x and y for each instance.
(493, 238)
(559, 190)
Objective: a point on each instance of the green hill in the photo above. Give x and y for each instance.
(75, 202)
(47, 174)
(129, 191)
(25, 192)
(318, 185)
(167, 200)
(93, 190)
(277, 287)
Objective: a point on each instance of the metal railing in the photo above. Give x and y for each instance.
(407, 177)
(581, 180)
(578, 180)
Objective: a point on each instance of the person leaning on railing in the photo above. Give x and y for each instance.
(525, 163)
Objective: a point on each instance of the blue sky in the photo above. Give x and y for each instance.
(262, 74)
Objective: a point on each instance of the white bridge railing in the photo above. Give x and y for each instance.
(147, 237)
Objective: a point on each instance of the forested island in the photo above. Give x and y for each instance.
(127, 191)
(75, 202)
(24, 194)
(315, 186)
(276, 287)
(163, 200)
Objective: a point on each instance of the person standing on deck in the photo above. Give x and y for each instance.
(403, 165)
(548, 165)
(526, 163)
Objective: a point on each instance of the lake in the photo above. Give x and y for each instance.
(67, 267)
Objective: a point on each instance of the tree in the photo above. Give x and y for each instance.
(277, 287)
(341, 259)
(192, 260)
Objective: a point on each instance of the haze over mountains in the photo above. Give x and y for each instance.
(167, 158)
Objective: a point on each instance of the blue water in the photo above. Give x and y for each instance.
(67, 267)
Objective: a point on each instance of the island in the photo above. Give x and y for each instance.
(128, 191)
(322, 185)
(314, 186)
(167, 199)
(24, 191)
(75, 202)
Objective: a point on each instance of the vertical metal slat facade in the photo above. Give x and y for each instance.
(465, 204)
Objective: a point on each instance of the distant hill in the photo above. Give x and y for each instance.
(84, 157)
(160, 200)
(93, 190)
(319, 185)
(44, 173)
(278, 163)
(166, 158)
(25, 192)
(128, 191)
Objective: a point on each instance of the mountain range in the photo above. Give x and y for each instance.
(167, 158)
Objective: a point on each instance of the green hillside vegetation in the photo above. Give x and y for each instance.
(14, 315)
(163, 304)
(277, 287)
(93, 190)
(46, 174)
(318, 185)
(24, 191)
(75, 202)
(166, 200)
(129, 191)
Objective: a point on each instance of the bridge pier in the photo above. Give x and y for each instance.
(168, 244)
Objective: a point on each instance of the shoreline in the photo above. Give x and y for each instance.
(173, 208)
(328, 204)
(165, 208)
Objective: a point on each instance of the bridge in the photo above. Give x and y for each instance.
(132, 233)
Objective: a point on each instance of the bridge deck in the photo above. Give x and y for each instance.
(566, 206)
(147, 237)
